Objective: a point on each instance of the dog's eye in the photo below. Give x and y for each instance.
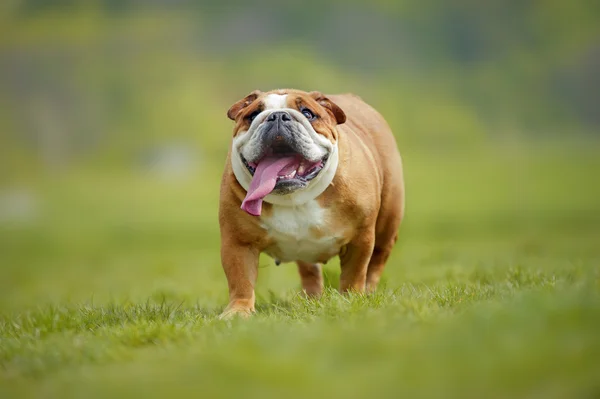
(308, 114)
(253, 115)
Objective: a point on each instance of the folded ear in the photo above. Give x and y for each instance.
(243, 103)
(338, 113)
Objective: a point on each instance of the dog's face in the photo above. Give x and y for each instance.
(286, 139)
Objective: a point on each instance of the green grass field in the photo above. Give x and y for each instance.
(493, 290)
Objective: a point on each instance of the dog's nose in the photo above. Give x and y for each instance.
(281, 116)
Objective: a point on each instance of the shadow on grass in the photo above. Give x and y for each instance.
(331, 278)
(274, 304)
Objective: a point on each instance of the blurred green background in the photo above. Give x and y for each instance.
(113, 136)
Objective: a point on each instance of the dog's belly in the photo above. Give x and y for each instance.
(287, 249)
(301, 233)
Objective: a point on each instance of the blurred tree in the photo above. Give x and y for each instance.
(106, 74)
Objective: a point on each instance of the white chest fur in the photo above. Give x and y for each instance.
(300, 233)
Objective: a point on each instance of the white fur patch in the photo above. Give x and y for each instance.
(290, 227)
(275, 101)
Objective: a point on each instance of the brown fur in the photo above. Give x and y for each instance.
(365, 201)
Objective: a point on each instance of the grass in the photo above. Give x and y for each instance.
(114, 288)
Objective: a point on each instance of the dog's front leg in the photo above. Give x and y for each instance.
(240, 262)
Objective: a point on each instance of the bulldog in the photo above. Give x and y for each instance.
(308, 177)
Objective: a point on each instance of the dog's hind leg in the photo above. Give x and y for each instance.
(388, 221)
(312, 278)
(380, 255)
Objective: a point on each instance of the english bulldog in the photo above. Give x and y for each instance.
(308, 177)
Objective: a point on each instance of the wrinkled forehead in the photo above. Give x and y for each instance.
(269, 102)
(274, 101)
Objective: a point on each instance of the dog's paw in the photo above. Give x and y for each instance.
(233, 311)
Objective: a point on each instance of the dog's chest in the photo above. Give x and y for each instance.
(301, 233)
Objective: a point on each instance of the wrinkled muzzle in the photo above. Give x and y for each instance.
(282, 155)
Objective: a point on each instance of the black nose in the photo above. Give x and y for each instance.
(279, 116)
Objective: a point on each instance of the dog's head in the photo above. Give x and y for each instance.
(285, 146)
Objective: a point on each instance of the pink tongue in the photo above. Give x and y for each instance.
(264, 180)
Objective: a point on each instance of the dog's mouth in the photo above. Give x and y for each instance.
(302, 170)
(280, 171)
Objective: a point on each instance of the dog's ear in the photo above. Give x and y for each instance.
(243, 103)
(337, 112)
